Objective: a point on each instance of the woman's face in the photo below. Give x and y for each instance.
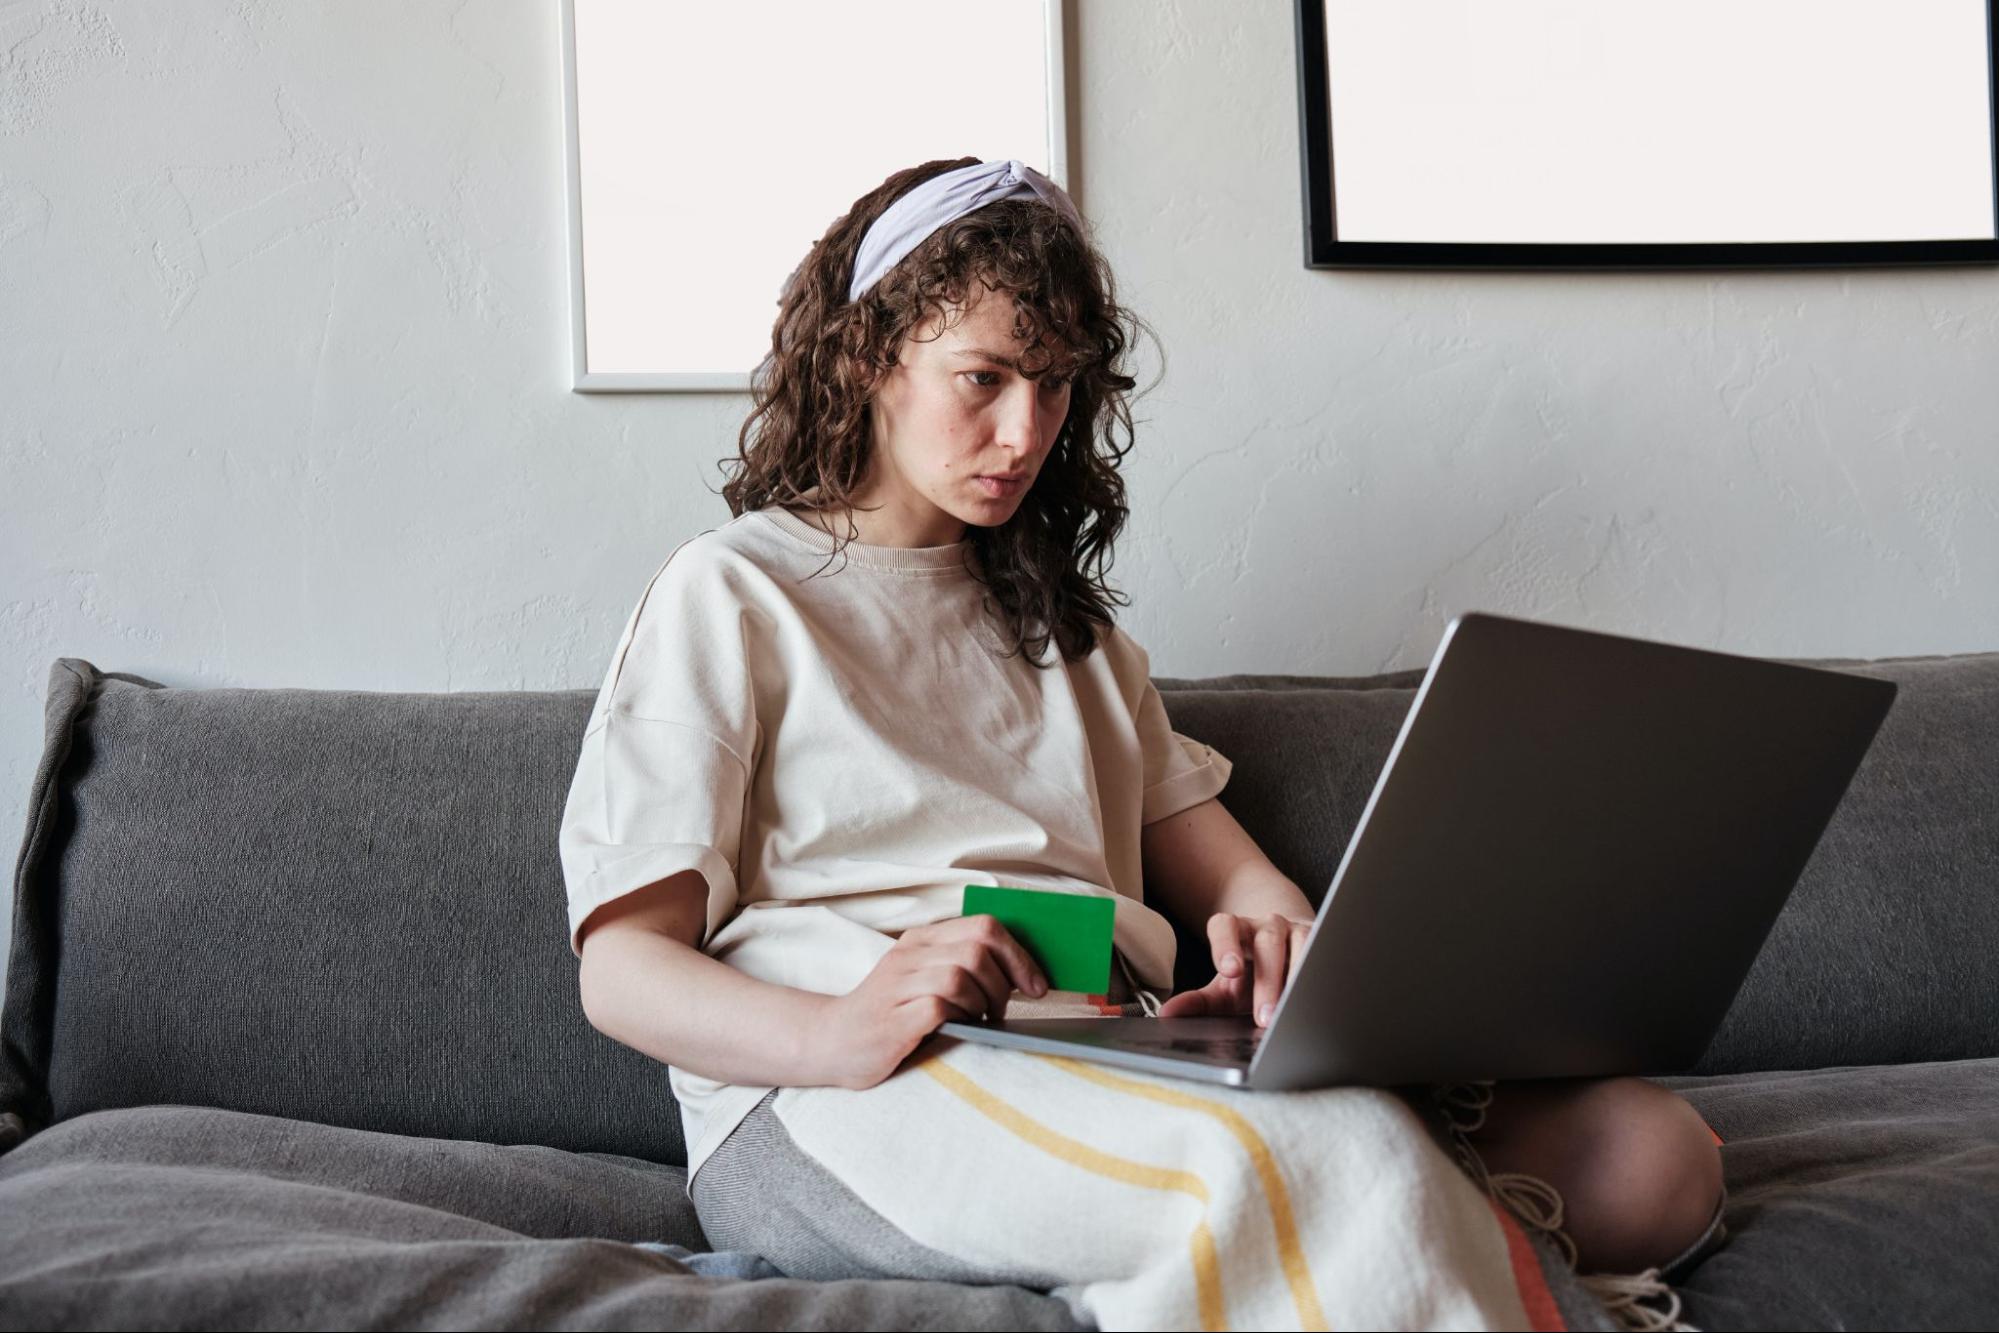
(952, 411)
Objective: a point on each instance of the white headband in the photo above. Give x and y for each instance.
(905, 223)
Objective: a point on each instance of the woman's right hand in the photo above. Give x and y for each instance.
(958, 969)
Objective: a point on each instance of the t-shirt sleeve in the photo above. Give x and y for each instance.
(1179, 771)
(664, 772)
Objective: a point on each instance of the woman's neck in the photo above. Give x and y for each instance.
(876, 526)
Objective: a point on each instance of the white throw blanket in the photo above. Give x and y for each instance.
(1166, 1204)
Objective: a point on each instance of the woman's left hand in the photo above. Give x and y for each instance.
(1255, 957)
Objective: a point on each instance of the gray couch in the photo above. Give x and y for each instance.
(291, 1034)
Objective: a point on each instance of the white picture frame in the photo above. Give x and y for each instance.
(612, 347)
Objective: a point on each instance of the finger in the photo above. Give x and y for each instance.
(957, 987)
(1016, 963)
(935, 1009)
(1213, 998)
(1300, 931)
(1267, 947)
(1228, 995)
(961, 985)
(1235, 993)
(983, 964)
(1225, 942)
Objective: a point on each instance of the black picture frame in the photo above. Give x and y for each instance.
(1324, 248)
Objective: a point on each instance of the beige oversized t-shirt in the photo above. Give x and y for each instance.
(840, 755)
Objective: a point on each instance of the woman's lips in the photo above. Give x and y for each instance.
(1000, 489)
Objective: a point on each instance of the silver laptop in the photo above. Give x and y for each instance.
(1571, 858)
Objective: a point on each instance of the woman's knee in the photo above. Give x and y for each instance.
(1655, 1176)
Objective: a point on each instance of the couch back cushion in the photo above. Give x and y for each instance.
(347, 907)
(338, 906)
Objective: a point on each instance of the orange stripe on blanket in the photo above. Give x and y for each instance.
(1200, 1243)
(1291, 1254)
(1528, 1280)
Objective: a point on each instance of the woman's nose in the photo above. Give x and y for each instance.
(1020, 421)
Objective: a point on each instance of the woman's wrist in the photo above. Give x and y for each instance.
(1259, 889)
(817, 1047)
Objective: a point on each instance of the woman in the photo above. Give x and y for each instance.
(790, 775)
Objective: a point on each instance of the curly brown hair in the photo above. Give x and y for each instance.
(811, 427)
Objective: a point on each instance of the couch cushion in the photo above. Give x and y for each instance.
(227, 1220)
(1859, 1197)
(327, 905)
(1884, 951)
(528, 1189)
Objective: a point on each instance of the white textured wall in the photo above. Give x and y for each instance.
(283, 384)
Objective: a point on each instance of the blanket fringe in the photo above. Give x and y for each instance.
(1538, 1204)
(1622, 1292)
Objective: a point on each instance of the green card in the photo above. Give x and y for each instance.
(1068, 934)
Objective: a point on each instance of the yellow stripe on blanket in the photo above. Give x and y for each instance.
(1201, 1243)
(1297, 1273)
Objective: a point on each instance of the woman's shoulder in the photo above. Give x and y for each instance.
(1126, 656)
(721, 556)
(1119, 656)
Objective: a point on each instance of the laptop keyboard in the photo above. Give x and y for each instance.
(1240, 1047)
(1230, 1044)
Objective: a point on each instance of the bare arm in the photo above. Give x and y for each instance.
(1201, 861)
(646, 984)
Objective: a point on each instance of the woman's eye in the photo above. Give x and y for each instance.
(1052, 386)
